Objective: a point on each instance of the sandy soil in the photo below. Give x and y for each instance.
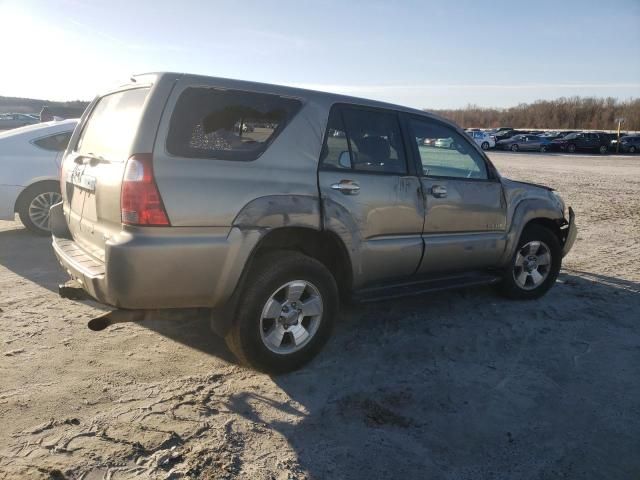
(453, 385)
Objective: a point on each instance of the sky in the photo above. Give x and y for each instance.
(423, 54)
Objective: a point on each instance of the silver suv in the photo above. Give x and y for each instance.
(269, 204)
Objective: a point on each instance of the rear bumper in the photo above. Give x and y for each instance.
(173, 268)
(572, 232)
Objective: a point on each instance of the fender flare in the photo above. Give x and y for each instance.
(525, 211)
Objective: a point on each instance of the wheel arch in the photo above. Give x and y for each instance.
(37, 181)
(322, 245)
(529, 212)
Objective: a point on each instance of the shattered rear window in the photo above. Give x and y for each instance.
(227, 124)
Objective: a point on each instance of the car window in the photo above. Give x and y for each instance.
(335, 151)
(374, 139)
(227, 124)
(54, 143)
(113, 124)
(449, 154)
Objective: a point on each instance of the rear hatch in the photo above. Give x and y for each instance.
(93, 168)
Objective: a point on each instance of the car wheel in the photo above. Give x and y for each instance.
(603, 149)
(285, 314)
(485, 145)
(571, 148)
(543, 149)
(632, 149)
(34, 205)
(514, 147)
(535, 264)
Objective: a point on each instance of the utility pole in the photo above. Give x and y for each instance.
(620, 121)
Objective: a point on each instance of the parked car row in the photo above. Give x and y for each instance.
(506, 138)
(47, 114)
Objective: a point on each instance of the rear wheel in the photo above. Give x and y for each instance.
(34, 206)
(514, 147)
(603, 149)
(485, 145)
(285, 314)
(632, 149)
(571, 148)
(535, 264)
(543, 148)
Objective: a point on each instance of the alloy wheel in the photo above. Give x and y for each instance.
(532, 265)
(39, 208)
(291, 317)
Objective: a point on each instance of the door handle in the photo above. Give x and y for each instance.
(347, 187)
(439, 191)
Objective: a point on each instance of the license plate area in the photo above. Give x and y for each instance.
(78, 178)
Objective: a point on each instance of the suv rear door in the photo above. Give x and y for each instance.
(93, 168)
(465, 218)
(370, 198)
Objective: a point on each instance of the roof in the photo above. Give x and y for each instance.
(325, 98)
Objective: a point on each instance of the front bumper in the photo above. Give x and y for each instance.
(572, 232)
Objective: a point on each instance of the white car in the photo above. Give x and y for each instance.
(29, 171)
(483, 139)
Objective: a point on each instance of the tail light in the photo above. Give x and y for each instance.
(140, 200)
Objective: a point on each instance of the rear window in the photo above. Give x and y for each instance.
(227, 124)
(113, 123)
(54, 143)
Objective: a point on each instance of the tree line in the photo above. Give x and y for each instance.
(580, 113)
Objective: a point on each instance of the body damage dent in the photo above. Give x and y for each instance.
(275, 211)
(525, 211)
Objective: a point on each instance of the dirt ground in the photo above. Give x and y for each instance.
(455, 385)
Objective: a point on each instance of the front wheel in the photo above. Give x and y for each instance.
(543, 149)
(514, 147)
(571, 148)
(285, 314)
(485, 145)
(603, 149)
(632, 149)
(535, 265)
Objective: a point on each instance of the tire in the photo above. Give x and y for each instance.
(543, 149)
(514, 147)
(603, 149)
(571, 148)
(249, 337)
(485, 146)
(549, 243)
(33, 206)
(632, 149)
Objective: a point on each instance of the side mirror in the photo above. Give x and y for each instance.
(344, 160)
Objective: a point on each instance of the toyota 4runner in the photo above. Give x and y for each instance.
(268, 205)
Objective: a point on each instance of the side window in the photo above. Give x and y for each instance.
(54, 143)
(227, 124)
(445, 153)
(335, 151)
(363, 140)
(375, 141)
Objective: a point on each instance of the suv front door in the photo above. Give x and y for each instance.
(370, 198)
(465, 218)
